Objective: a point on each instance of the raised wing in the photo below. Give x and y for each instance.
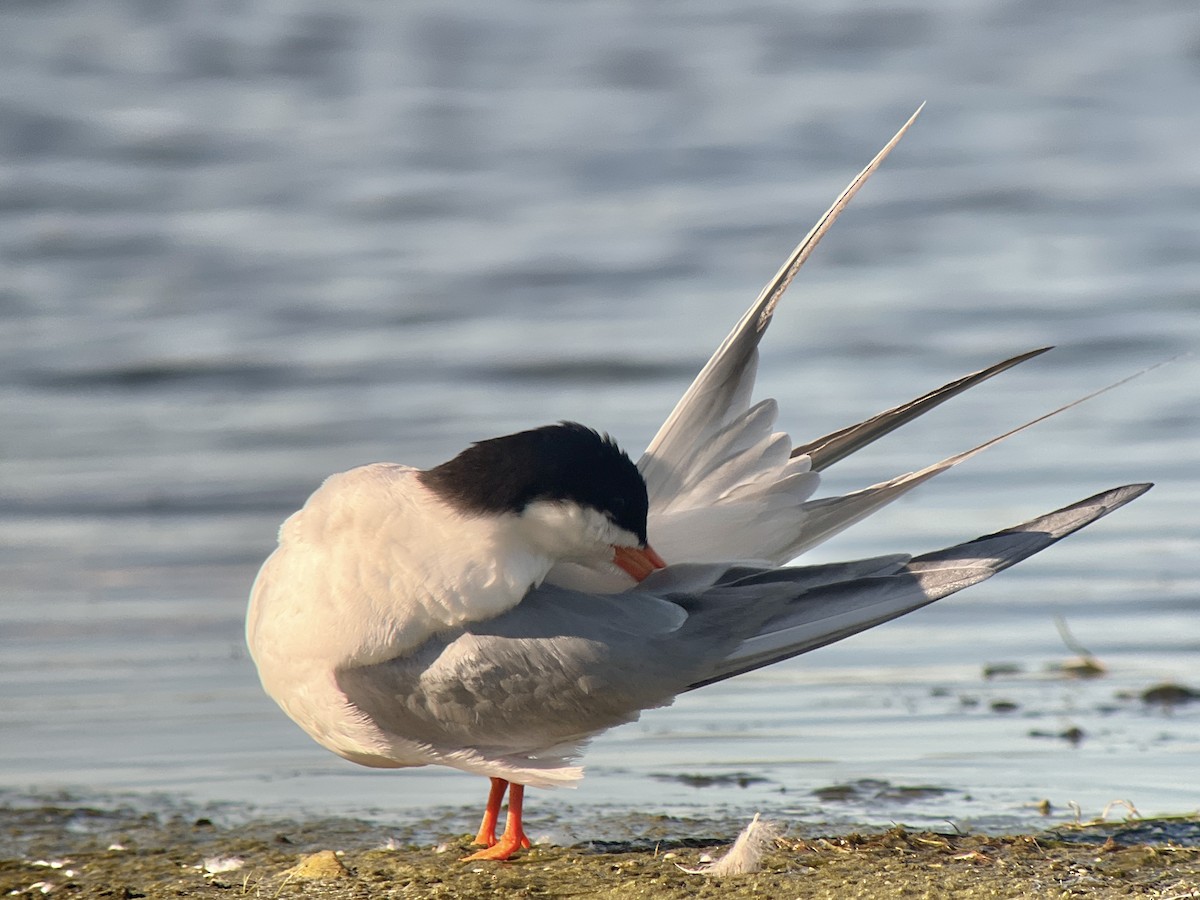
(724, 484)
(721, 392)
(747, 493)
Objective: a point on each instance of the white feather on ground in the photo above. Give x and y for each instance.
(745, 856)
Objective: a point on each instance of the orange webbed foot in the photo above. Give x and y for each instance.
(502, 849)
(514, 837)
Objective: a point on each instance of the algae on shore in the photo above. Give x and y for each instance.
(77, 851)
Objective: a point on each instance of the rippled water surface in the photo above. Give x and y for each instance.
(245, 245)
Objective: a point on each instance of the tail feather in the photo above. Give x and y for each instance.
(825, 517)
(825, 451)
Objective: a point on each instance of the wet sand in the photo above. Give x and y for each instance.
(70, 850)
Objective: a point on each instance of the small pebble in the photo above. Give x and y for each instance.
(323, 864)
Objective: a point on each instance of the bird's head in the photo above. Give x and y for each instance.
(574, 493)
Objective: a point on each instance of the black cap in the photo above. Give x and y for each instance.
(567, 461)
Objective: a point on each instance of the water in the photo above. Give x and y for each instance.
(248, 244)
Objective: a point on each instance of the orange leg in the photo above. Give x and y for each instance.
(514, 838)
(487, 828)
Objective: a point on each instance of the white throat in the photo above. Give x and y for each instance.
(567, 532)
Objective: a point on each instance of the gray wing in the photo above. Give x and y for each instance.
(831, 612)
(560, 667)
(565, 665)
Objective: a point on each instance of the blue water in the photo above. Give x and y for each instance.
(244, 245)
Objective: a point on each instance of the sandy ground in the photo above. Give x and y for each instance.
(77, 851)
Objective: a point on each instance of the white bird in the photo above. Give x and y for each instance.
(496, 612)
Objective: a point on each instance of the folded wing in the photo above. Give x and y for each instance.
(835, 611)
(519, 695)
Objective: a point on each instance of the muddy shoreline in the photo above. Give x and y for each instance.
(73, 850)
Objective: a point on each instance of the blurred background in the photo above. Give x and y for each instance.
(247, 244)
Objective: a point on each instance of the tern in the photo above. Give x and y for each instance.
(496, 612)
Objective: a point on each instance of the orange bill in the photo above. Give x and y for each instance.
(638, 561)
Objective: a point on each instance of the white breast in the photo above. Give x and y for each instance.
(370, 568)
